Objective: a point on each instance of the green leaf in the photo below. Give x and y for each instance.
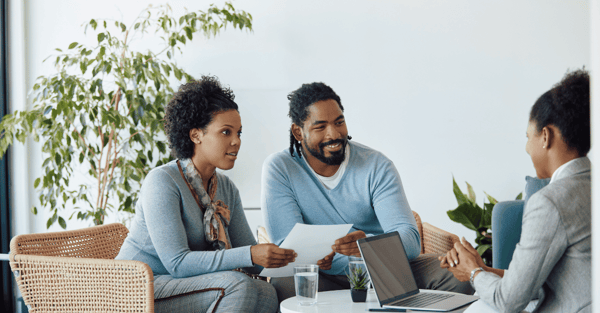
(490, 198)
(123, 28)
(520, 196)
(73, 45)
(471, 193)
(188, 32)
(177, 73)
(62, 223)
(128, 202)
(460, 196)
(34, 210)
(101, 37)
(483, 248)
(101, 53)
(49, 223)
(161, 147)
(36, 183)
(486, 218)
(467, 215)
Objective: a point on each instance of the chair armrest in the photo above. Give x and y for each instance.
(437, 240)
(80, 284)
(507, 219)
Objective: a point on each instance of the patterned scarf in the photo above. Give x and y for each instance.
(216, 213)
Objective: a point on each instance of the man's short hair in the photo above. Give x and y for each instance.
(300, 101)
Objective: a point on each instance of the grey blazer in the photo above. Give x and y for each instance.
(552, 260)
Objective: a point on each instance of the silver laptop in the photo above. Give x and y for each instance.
(394, 282)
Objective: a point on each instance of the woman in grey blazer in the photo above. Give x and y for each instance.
(190, 226)
(552, 261)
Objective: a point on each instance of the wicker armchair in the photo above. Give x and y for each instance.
(433, 239)
(75, 271)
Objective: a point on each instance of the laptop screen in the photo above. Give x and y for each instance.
(388, 267)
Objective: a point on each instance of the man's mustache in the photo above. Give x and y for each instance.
(332, 142)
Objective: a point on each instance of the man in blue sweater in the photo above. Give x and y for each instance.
(324, 179)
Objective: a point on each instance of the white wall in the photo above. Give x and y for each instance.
(441, 87)
(595, 51)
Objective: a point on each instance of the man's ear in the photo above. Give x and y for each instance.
(297, 132)
(196, 135)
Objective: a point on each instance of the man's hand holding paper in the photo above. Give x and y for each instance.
(347, 244)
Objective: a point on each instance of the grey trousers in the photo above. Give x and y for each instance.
(426, 270)
(226, 291)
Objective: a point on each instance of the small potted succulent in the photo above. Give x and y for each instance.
(359, 283)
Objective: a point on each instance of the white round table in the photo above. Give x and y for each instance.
(331, 301)
(339, 301)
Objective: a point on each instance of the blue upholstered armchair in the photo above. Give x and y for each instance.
(507, 218)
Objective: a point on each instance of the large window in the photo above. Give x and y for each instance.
(5, 275)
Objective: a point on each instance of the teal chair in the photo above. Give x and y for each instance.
(507, 218)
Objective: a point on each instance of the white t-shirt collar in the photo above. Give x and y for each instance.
(331, 182)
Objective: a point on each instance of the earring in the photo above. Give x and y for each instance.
(544, 147)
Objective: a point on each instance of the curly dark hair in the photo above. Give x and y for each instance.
(567, 106)
(300, 101)
(193, 106)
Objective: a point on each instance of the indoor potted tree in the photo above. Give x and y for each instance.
(100, 114)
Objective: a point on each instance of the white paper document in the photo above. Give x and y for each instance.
(311, 243)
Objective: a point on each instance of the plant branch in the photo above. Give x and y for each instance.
(105, 169)
(99, 165)
(114, 163)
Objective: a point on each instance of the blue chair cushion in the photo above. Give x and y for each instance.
(533, 185)
(507, 218)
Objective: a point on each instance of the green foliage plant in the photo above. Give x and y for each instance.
(99, 115)
(472, 216)
(358, 278)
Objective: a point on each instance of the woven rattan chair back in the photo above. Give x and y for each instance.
(420, 228)
(75, 271)
(100, 242)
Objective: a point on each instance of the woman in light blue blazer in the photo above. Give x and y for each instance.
(552, 261)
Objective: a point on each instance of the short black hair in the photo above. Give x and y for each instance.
(193, 106)
(300, 101)
(567, 107)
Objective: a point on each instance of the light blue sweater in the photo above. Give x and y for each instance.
(167, 232)
(369, 196)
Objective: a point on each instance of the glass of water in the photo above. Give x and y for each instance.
(306, 279)
(356, 261)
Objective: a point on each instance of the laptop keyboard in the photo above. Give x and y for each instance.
(422, 300)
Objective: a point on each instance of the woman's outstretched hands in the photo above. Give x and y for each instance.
(451, 258)
(461, 260)
(269, 255)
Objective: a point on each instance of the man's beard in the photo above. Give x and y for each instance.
(336, 158)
